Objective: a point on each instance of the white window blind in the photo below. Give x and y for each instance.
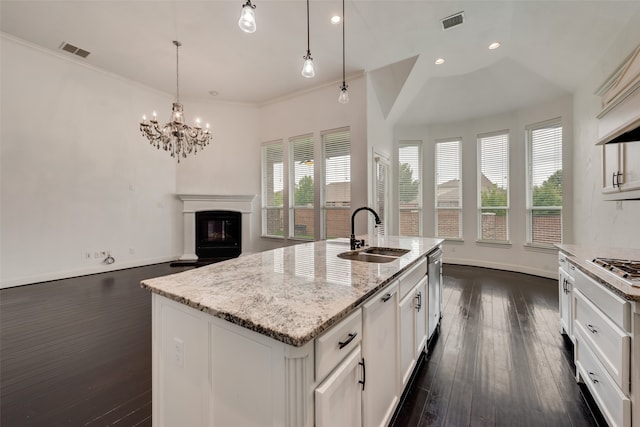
(409, 187)
(302, 190)
(544, 192)
(336, 146)
(381, 192)
(493, 187)
(272, 189)
(448, 189)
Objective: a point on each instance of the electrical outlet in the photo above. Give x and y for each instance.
(87, 255)
(178, 351)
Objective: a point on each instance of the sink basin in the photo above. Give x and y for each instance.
(395, 252)
(374, 254)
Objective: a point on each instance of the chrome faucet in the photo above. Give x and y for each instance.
(355, 243)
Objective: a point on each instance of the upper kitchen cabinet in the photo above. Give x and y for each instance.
(619, 131)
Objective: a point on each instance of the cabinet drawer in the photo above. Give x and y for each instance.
(614, 405)
(606, 339)
(616, 308)
(411, 278)
(332, 346)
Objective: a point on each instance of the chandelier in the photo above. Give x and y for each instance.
(176, 137)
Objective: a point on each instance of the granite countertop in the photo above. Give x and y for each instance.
(582, 256)
(290, 294)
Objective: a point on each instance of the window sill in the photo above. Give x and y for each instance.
(267, 236)
(452, 239)
(494, 242)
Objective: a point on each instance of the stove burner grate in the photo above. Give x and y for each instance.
(625, 268)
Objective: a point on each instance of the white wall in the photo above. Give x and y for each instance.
(316, 111)
(77, 176)
(597, 222)
(517, 256)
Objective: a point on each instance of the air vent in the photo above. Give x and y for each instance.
(67, 47)
(452, 21)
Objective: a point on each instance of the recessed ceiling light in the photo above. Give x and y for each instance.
(439, 61)
(213, 93)
(335, 19)
(494, 45)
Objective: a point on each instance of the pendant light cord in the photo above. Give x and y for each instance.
(343, 74)
(308, 31)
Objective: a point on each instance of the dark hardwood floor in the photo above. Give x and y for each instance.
(77, 352)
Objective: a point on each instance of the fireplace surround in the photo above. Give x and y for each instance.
(192, 204)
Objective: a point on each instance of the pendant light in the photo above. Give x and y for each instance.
(247, 21)
(344, 95)
(308, 69)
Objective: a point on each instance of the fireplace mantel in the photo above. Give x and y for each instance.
(192, 203)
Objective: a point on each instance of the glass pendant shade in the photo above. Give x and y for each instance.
(344, 95)
(247, 21)
(308, 70)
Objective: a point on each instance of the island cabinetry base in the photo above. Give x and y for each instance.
(209, 372)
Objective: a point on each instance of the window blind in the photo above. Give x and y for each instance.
(448, 189)
(409, 187)
(382, 171)
(302, 188)
(336, 173)
(272, 189)
(493, 187)
(544, 195)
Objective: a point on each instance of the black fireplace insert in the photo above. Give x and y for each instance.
(218, 234)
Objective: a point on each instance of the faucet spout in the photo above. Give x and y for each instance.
(355, 244)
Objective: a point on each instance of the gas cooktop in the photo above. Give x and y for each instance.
(624, 268)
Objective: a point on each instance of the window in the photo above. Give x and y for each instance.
(301, 189)
(409, 188)
(448, 190)
(336, 147)
(381, 198)
(544, 183)
(493, 187)
(272, 188)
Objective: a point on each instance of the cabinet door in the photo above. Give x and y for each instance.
(564, 288)
(339, 398)
(630, 166)
(435, 295)
(407, 335)
(421, 307)
(380, 352)
(611, 166)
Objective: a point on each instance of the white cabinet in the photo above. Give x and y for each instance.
(566, 272)
(338, 399)
(602, 326)
(621, 171)
(380, 352)
(413, 331)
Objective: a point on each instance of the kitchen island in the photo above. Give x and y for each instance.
(600, 313)
(282, 337)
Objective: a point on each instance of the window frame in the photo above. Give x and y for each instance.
(457, 140)
(481, 138)
(265, 198)
(529, 129)
(419, 208)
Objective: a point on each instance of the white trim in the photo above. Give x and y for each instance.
(102, 268)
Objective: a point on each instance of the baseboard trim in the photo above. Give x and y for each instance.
(103, 268)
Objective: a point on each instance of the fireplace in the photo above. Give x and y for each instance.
(218, 234)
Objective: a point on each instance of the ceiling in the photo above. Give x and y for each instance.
(548, 47)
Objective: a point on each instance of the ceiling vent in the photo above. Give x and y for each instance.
(74, 49)
(452, 21)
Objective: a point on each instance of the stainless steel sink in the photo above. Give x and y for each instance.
(395, 252)
(374, 254)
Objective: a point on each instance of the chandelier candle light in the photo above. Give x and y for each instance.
(176, 137)
(308, 70)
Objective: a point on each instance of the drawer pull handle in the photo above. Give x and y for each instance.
(418, 301)
(343, 344)
(386, 298)
(364, 374)
(592, 375)
(592, 329)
